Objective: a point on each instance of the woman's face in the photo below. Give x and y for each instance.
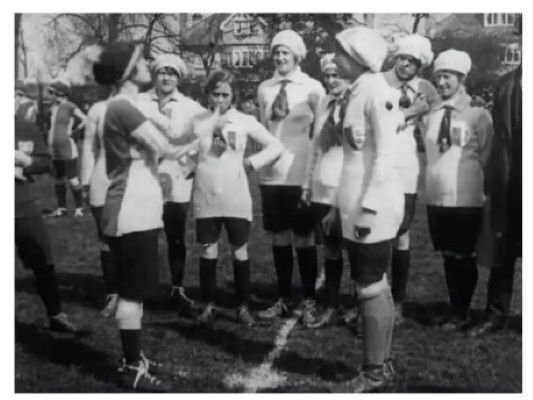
(448, 83)
(334, 83)
(284, 60)
(406, 67)
(166, 80)
(221, 96)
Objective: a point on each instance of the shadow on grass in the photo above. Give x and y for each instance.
(80, 288)
(233, 343)
(67, 351)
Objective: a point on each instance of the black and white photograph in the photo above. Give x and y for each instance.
(267, 202)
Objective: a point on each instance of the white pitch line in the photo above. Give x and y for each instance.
(264, 376)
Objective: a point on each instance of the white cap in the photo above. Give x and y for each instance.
(170, 61)
(327, 62)
(417, 47)
(292, 41)
(365, 46)
(453, 60)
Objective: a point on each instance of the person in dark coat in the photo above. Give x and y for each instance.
(503, 185)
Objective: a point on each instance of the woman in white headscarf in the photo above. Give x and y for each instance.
(288, 107)
(322, 179)
(457, 138)
(165, 99)
(370, 195)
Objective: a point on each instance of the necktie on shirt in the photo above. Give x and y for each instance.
(280, 106)
(405, 100)
(328, 134)
(444, 139)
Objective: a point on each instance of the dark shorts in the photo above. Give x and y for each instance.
(32, 242)
(368, 261)
(137, 263)
(334, 237)
(455, 229)
(408, 213)
(283, 210)
(66, 168)
(208, 230)
(175, 220)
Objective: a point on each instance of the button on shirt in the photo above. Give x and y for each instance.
(406, 150)
(181, 111)
(294, 130)
(220, 183)
(369, 178)
(454, 177)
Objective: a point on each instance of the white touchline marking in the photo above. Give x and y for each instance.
(264, 376)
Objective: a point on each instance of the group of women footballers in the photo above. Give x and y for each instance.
(346, 161)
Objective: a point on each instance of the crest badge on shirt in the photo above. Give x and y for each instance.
(458, 133)
(355, 137)
(232, 139)
(26, 146)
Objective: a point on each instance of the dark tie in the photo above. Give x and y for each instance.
(405, 100)
(444, 138)
(280, 106)
(328, 135)
(342, 112)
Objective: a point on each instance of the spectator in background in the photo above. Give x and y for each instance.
(64, 149)
(25, 107)
(288, 107)
(457, 139)
(503, 187)
(249, 107)
(31, 235)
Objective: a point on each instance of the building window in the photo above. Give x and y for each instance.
(242, 25)
(495, 19)
(512, 55)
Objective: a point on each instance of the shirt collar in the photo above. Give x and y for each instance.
(459, 102)
(393, 80)
(175, 96)
(296, 76)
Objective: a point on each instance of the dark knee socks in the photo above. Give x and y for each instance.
(61, 194)
(241, 272)
(399, 274)
(208, 279)
(46, 285)
(283, 264)
(308, 264)
(333, 270)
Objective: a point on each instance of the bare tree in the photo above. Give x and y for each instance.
(417, 19)
(18, 21)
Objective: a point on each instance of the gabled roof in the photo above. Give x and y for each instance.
(204, 32)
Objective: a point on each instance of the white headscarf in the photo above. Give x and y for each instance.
(170, 61)
(292, 41)
(365, 46)
(417, 47)
(453, 60)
